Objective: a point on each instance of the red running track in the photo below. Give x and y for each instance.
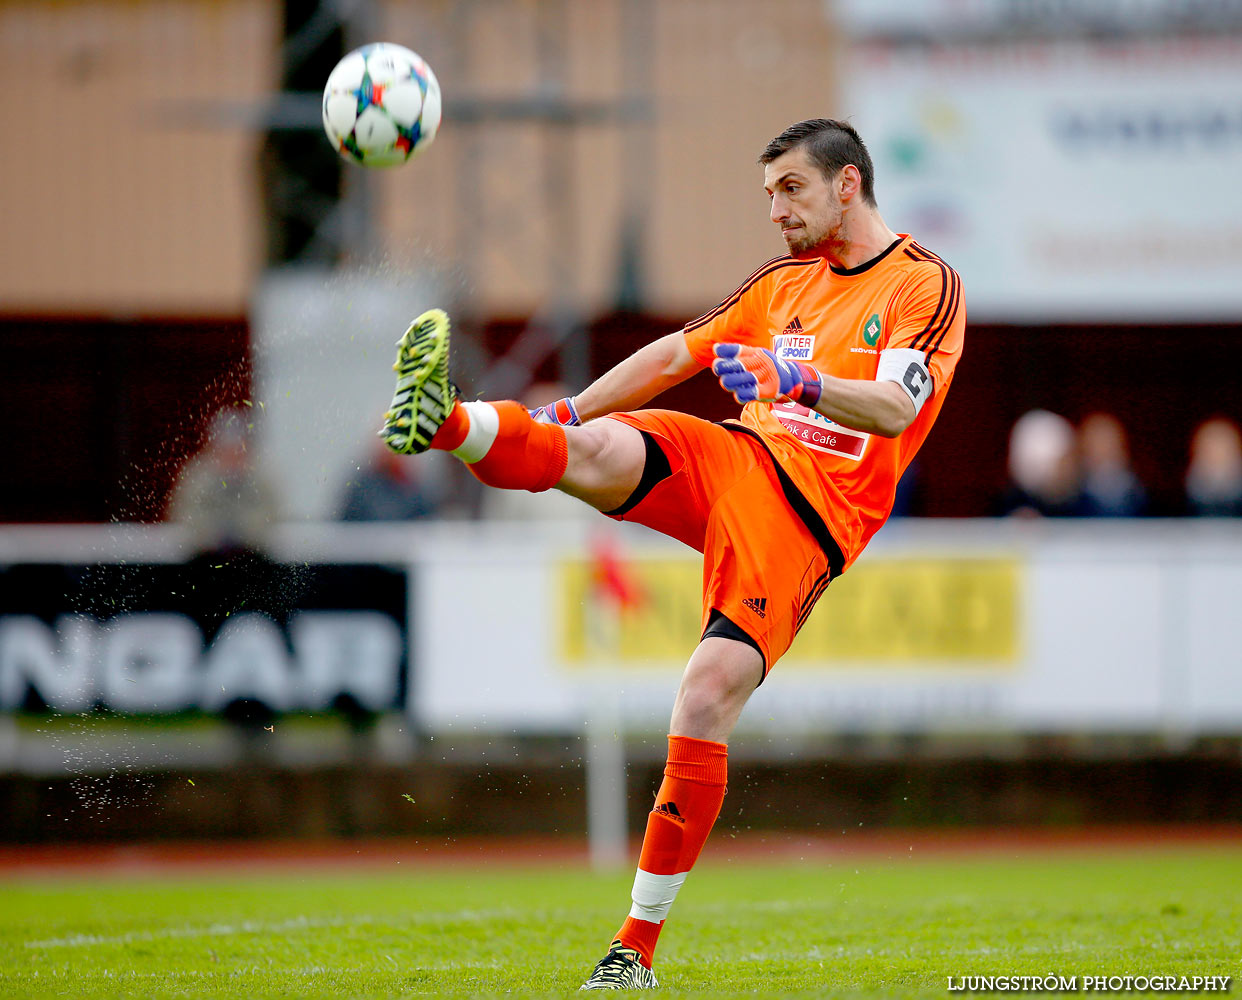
(257, 857)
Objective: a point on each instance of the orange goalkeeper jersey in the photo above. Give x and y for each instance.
(839, 321)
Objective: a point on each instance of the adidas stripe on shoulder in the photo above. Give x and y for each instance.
(947, 307)
(772, 266)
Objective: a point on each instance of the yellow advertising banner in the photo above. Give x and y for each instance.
(897, 611)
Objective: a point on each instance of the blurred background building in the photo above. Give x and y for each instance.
(184, 249)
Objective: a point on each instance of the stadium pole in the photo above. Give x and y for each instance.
(605, 780)
(604, 728)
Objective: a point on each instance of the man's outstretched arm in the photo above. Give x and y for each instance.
(642, 376)
(881, 407)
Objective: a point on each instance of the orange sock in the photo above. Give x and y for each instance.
(687, 805)
(503, 447)
(453, 431)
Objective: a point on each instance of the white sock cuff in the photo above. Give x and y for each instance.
(484, 426)
(653, 895)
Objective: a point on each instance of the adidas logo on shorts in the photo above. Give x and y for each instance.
(759, 605)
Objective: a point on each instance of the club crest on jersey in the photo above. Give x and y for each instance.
(793, 344)
(871, 330)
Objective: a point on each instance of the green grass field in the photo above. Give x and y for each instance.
(840, 927)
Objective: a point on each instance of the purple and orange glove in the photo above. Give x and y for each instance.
(755, 374)
(562, 412)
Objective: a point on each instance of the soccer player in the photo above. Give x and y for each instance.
(841, 352)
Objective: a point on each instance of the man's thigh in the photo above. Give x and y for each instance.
(762, 568)
(704, 462)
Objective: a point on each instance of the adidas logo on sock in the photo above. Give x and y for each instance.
(669, 809)
(759, 605)
(795, 326)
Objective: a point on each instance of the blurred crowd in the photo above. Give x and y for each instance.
(1058, 470)
(227, 501)
(1054, 469)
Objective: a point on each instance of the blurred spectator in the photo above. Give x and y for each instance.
(392, 487)
(908, 496)
(1214, 476)
(519, 505)
(1043, 468)
(225, 502)
(1110, 487)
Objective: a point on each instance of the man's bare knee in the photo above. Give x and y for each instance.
(587, 444)
(606, 459)
(719, 680)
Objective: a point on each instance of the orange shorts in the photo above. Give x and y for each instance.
(762, 567)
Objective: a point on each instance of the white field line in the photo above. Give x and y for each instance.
(766, 905)
(274, 927)
(228, 972)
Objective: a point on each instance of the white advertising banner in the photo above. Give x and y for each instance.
(1064, 180)
(941, 626)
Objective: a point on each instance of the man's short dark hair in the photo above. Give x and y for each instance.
(831, 145)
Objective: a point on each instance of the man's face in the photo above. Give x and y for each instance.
(804, 202)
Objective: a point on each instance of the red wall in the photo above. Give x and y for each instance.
(1161, 381)
(98, 414)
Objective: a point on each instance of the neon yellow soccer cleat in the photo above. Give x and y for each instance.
(620, 969)
(424, 396)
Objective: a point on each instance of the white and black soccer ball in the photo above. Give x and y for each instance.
(381, 105)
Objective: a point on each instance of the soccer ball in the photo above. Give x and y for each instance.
(381, 105)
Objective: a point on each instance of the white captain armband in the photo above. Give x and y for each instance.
(908, 368)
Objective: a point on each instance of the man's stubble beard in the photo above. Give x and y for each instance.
(808, 245)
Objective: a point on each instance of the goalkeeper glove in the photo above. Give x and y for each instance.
(562, 412)
(755, 374)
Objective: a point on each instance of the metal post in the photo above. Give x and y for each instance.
(605, 780)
